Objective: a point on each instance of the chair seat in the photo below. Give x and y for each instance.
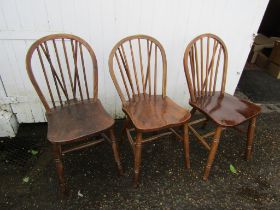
(225, 109)
(77, 121)
(151, 113)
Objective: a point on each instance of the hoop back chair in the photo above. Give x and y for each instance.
(205, 65)
(74, 113)
(138, 69)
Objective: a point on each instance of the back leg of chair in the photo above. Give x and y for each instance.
(123, 131)
(137, 158)
(186, 146)
(212, 152)
(250, 138)
(116, 151)
(59, 167)
(204, 124)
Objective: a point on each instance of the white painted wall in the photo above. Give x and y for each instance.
(103, 22)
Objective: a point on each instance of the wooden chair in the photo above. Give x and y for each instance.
(73, 115)
(134, 63)
(205, 64)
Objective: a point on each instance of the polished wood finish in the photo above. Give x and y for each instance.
(224, 109)
(151, 113)
(76, 116)
(140, 64)
(212, 153)
(205, 63)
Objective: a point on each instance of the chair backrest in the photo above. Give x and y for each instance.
(205, 63)
(60, 61)
(135, 61)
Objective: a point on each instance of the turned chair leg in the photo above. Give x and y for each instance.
(212, 152)
(186, 146)
(59, 167)
(116, 151)
(250, 138)
(137, 158)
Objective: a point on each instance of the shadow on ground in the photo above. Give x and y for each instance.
(165, 184)
(259, 86)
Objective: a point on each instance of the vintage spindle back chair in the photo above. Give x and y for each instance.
(139, 71)
(205, 64)
(63, 63)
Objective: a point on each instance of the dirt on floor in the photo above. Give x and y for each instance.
(28, 179)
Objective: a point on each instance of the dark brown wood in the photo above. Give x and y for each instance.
(81, 146)
(59, 167)
(223, 109)
(137, 158)
(152, 113)
(186, 146)
(116, 151)
(148, 110)
(212, 153)
(77, 119)
(250, 137)
(119, 59)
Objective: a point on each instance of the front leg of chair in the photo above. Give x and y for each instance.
(250, 138)
(116, 151)
(186, 146)
(59, 167)
(212, 152)
(137, 158)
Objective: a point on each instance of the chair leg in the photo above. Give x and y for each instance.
(137, 158)
(186, 146)
(116, 151)
(250, 138)
(204, 124)
(212, 152)
(123, 131)
(59, 167)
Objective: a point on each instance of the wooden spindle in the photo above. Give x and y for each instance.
(134, 66)
(46, 76)
(122, 74)
(197, 69)
(141, 66)
(126, 67)
(68, 67)
(76, 75)
(84, 69)
(211, 66)
(155, 74)
(60, 69)
(55, 77)
(148, 72)
(206, 67)
(217, 67)
(202, 65)
(193, 69)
